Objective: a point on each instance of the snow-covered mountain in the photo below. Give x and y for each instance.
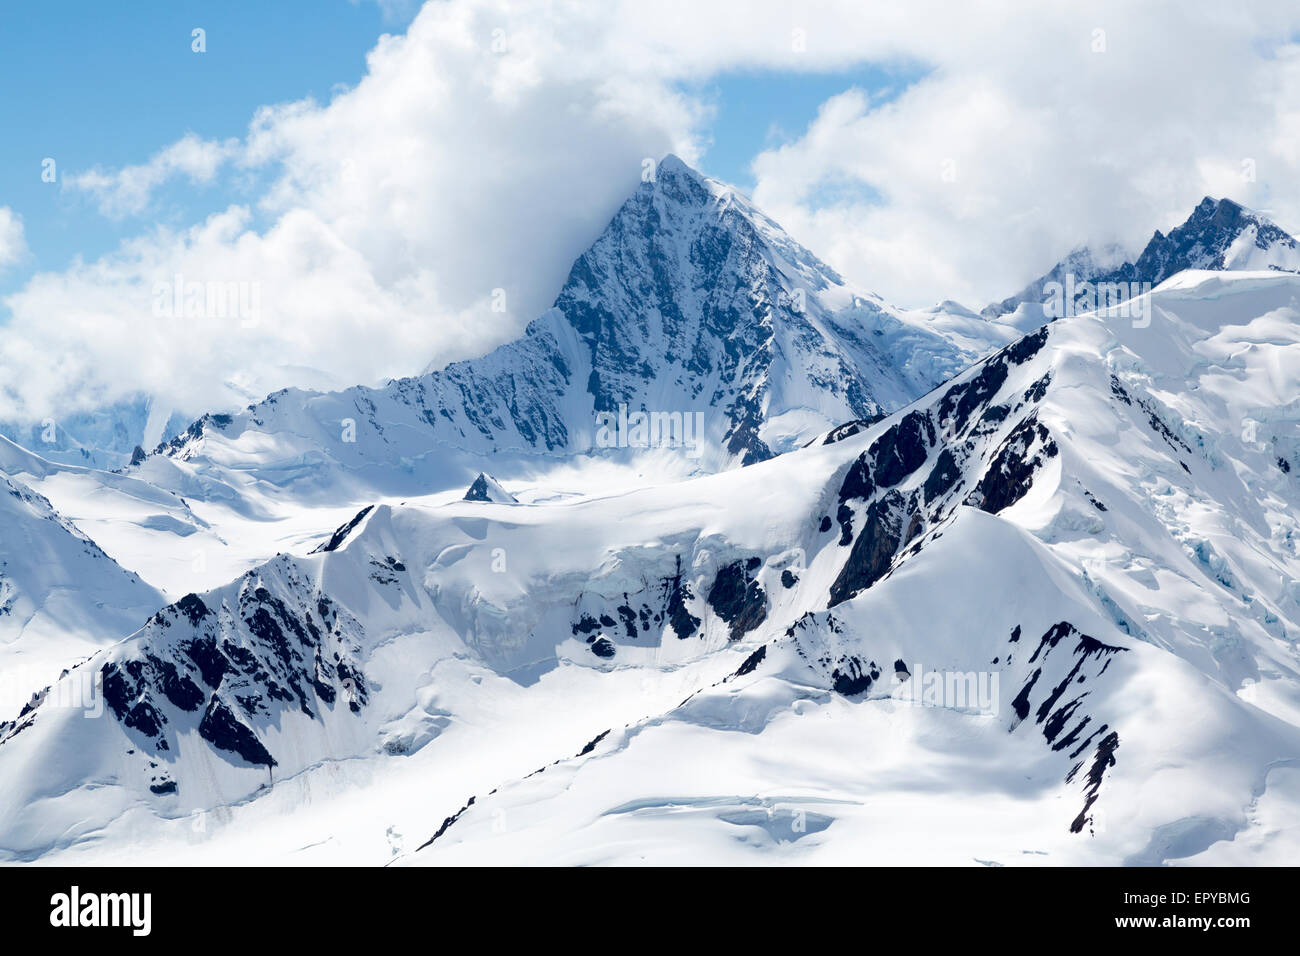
(105, 438)
(1219, 234)
(692, 308)
(61, 597)
(1046, 613)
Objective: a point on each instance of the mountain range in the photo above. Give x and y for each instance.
(922, 587)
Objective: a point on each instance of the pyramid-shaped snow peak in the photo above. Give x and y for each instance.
(487, 488)
(691, 305)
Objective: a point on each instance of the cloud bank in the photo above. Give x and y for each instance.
(490, 143)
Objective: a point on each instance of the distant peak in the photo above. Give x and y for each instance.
(673, 166)
(1220, 211)
(951, 307)
(674, 172)
(487, 488)
(674, 163)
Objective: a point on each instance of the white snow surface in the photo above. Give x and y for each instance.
(1095, 529)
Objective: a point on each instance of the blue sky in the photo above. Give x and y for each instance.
(756, 110)
(107, 91)
(92, 84)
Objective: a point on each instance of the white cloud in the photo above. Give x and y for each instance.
(1047, 144)
(487, 146)
(13, 244)
(448, 172)
(129, 190)
(393, 10)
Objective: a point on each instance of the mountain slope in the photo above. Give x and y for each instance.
(61, 597)
(1131, 610)
(1077, 535)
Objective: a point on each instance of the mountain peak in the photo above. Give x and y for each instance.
(674, 165)
(693, 322)
(487, 488)
(1219, 235)
(1221, 212)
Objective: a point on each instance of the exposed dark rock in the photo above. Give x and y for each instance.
(1010, 475)
(961, 400)
(122, 693)
(942, 477)
(1102, 760)
(446, 824)
(738, 598)
(873, 550)
(852, 677)
(487, 488)
(1038, 391)
(900, 449)
(680, 619)
(858, 484)
(221, 728)
(751, 662)
(849, 429)
(192, 606)
(341, 535)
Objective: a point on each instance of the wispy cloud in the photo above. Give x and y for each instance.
(129, 191)
(13, 243)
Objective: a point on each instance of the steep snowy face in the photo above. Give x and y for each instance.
(61, 597)
(1050, 607)
(693, 299)
(1218, 235)
(692, 323)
